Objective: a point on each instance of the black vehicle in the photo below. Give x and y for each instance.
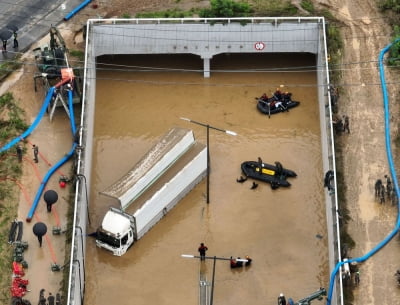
(276, 175)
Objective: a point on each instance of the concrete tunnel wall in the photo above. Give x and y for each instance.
(205, 37)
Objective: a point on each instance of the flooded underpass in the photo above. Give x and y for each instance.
(284, 230)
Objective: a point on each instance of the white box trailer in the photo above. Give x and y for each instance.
(168, 180)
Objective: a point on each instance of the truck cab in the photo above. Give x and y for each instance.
(116, 233)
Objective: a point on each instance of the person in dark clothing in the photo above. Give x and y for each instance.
(281, 299)
(264, 97)
(249, 260)
(35, 153)
(278, 94)
(327, 180)
(202, 250)
(233, 262)
(4, 45)
(346, 124)
(260, 165)
(286, 97)
(279, 169)
(15, 40)
(50, 299)
(19, 153)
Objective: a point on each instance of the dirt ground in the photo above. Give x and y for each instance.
(365, 34)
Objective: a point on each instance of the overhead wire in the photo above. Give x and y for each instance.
(103, 66)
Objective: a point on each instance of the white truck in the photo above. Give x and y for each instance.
(164, 175)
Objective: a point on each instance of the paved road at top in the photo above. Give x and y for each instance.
(33, 19)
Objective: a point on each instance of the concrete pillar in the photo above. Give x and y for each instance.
(206, 66)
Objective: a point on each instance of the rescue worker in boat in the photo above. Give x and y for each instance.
(249, 260)
(278, 94)
(279, 169)
(281, 299)
(239, 263)
(233, 262)
(286, 97)
(264, 97)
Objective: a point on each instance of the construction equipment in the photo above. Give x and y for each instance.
(54, 70)
(51, 59)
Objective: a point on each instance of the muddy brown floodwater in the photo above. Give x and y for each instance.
(281, 230)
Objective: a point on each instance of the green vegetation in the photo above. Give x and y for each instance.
(391, 10)
(11, 125)
(8, 66)
(226, 8)
(78, 54)
(274, 8)
(229, 8)
(126, 15)
(173, 13)
(308, 6)
(392, 5)
(335, 45)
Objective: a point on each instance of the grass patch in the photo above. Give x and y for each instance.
(11, 125)
(8, 66)
(308, 6)
(273, 8)
(173, 13)
(78, 54)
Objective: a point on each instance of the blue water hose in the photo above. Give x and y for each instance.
(76, 9)
(71, 112)
(58, 164)
(46, 179)
(31, 128)
(392, 169)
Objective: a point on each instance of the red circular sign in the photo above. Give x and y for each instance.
(259, 46)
